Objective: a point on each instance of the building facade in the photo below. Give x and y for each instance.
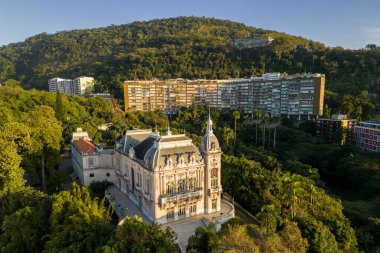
(83, 85)
(337, 129)
(167, 177)
(295, 96)
(63, 85)
(367, 136)
(78, 86)
(90, 162)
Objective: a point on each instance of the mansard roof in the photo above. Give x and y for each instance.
(143, 147)
(156, 151)
(135, 136)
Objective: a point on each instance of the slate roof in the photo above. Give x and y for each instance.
(143, 147)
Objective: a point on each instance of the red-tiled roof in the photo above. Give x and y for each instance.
(85, 146)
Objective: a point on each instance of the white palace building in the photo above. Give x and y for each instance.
(166, 177)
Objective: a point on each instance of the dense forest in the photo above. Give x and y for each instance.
(34, 127)
(187, 47)
(306, 196)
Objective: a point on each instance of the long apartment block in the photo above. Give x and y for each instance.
(275, 94)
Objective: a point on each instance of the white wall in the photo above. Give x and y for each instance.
(98, 175)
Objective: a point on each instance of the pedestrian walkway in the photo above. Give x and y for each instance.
(184, 229)
(122, 205)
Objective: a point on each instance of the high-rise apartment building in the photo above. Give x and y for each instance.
(83, 85)
(367, 135)
(63, 85)
(78, 86)
(337, 129)
(275, 94)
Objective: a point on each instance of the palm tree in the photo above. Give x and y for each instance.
(227, 134)
(293, 192)
(264, 124)
(276, 121)
(269, 216)
(257, 121)
(236, 115)
(312, 192)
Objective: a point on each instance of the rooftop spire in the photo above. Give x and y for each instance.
(169, 132)
(209, 121)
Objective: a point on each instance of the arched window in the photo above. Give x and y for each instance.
(170, 188)
(181, 185)
(192, 184)
(214, 178)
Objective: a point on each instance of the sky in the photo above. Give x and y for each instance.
(347, 23)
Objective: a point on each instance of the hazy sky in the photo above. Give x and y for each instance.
(347, 23)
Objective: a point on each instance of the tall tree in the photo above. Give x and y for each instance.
(59, 110)
(135, 236)
(11, 175)
(276, 121)
(227, 134)
(264, 123)
(236, 116)
(46, 132)
(78, 222)
(257, 121)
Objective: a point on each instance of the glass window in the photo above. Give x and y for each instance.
(90, 162)
(181, 185)
(193, 209)
(147, 185)
(139, 179)
(192, 184)
(126, 171)
(214, 178)
(170, 213)
(214, 204)
(170, 188)
(108, 174)
(181, 210)
(92, 175)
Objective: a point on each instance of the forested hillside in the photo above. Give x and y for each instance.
(287, 186)
(188, 47)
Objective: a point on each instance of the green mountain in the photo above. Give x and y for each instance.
(187, 47)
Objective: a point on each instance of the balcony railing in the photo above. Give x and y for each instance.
(214, 190)
(166, 199)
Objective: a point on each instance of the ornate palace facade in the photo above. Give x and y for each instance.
(168, 177)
